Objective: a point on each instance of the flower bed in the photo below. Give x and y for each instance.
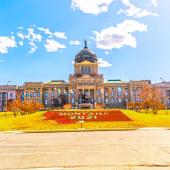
(68, 117)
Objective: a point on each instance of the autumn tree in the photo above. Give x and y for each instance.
(14, 106)
(151, 98)
(130, 105)
(26, 107)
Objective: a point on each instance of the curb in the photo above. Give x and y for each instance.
(83, 130)
(68, 130)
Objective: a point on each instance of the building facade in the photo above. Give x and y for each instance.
(7, 93)
(164, 88)
(85, 85)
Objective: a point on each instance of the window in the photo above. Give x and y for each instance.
(11, 94)
(126, 93)
(168, 92)
(85, 69)
(126, 100)
(72, 100)
(113, 92)
(82, 69)
(46, 102)
(120, 101)
(22, 96)
(119, 91)
(106, 101)
(99, 92)
(168, 101)
(27, 94)
(106, 92)
(89, 69)
(46, 94)
(38, 94)
(72, 93)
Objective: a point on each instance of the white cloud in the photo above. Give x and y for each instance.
(21, 35)
(45, 30)
(7, 42)
(20, 28)
(119, 36)
(134, 11)
(94, 7)
(1, 60)
(104, 63)
(52, 34)
(154, 3)
(60, 35)
(52, 45)
(32, 36)
(107, 52)
(21, 43)
(75, 42)
(33, 47)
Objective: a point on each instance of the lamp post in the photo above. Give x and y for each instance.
(81, 123)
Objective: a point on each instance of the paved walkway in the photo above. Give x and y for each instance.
(110, 150)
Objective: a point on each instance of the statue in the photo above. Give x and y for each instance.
(85, 44)
(85, 99)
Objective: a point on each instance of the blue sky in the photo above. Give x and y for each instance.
(40, 38)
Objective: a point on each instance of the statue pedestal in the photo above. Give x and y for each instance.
(86, 106)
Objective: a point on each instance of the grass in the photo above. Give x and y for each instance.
(35, 122)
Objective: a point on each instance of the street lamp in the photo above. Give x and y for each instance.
(81, 123)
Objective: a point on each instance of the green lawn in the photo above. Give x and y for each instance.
(35, 122)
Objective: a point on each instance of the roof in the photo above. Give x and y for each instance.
(86, 54)
(8, 87)
(56, 82)
(115, 81)
(163, 84)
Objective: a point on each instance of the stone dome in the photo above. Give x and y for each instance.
(86, 54)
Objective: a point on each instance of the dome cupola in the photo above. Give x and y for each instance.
(86, 54)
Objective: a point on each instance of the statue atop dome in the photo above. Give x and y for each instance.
(85, 44)
(86, 54)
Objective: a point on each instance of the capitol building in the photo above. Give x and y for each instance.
(85, 85)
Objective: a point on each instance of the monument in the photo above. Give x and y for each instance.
(85, 101)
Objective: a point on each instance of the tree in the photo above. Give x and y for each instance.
(26, 107)
(130, 105)
(151, 98)
(14, 106)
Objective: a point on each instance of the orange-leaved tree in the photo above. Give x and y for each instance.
(151, 98)
(26, 107)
